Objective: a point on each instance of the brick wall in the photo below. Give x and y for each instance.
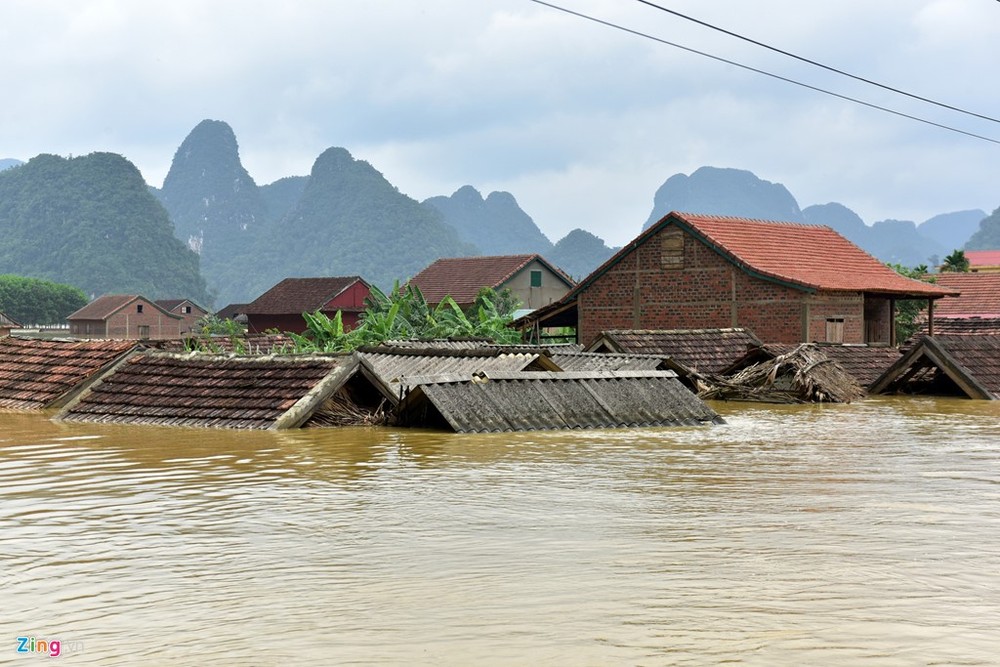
(667, 284)
(126, 322)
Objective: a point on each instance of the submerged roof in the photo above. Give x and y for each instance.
(393, 366)
(706, 351)
(213, 391)
(972, 363)
(864, 363)
(980, 295)
(463, 277)
(572, 360)
(105, 306)
(809, 257)
(541, 401)
(293, 296)
(960, 325)
(36, 374)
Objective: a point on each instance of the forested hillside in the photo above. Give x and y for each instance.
(91, 222)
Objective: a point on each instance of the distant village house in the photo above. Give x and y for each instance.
(531, 278)
(124, 316)
(281, 307)
(189, 311)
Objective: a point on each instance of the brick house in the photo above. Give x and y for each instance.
(531, 278)
(785, 282)
(189, 311)
(124, 316)
(281, 307)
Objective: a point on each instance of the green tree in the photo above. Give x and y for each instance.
(37, 301)
(908, 310)
(956, 262)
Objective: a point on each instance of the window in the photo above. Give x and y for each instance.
(835, 330)
(143, 331)
(186, 310)
(138, 308)
(536, 278)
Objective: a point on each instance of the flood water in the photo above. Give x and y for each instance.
(866, 534)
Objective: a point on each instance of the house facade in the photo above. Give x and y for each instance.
(785, 282)
(531, 278)
(281, 307)
(124, 316)
(189, 311)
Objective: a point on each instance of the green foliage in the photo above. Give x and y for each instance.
(213, 325)
(404, 314)
(956, 262)
(36, 301)
(908, 310)
(987, 237)
(92, 222)
(504, 301)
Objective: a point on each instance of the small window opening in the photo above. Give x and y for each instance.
(536, 278)
(138, 308)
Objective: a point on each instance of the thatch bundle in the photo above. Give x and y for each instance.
(339, 410)
(802, 375)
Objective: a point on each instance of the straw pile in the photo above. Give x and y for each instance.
(803, 375)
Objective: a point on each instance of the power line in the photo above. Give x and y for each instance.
(818, 64)
(764, 72)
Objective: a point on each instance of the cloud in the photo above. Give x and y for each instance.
(579, 121)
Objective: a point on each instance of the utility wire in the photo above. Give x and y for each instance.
(817, 64)
(765, 73)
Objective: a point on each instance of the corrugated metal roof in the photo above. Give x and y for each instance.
(393, 367)
(607, 361)
(544, 401)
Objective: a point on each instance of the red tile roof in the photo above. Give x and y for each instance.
(806, 256)
(983, 257)
(463, 277)
(105, 306)
(36, 373)
(293, 296)
(980, 295)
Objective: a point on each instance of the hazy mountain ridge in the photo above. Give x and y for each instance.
(496, 225)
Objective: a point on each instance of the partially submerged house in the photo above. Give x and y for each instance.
(278, 392)
(707, 351)
(124, 316)
(786, 282)
(946, 365)
(531, 278)
(189, 312)
(542, 400)
(281, 307)
(393, 367)
(864, 363)
(7, 325)
(37, 374)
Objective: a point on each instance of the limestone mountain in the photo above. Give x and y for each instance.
(987, 237)
(730, 192)
(7, 163)
(350, 220)
(496, 225)
(579, 253)
(281, 196)
(215, 205)
(91, 222)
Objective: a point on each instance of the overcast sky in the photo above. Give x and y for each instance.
(579, 121)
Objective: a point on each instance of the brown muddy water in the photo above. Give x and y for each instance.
(866, 534)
